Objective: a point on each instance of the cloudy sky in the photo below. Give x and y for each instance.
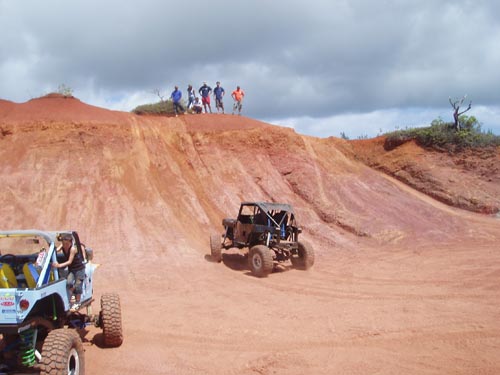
(361, 67)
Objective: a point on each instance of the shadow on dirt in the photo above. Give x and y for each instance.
(239, 262)
(98, 340)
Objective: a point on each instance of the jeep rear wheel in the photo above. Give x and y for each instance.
(111, 319)
(304, 259)
(215, 248)
(62, 353)
(260, 260)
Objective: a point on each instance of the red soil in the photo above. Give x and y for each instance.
(402, 282)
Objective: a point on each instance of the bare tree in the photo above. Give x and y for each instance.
(456, 110)
(158, 93)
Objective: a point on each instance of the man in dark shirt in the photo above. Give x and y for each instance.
(219, 94)
(205, 91)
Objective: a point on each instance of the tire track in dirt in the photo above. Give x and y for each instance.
(310, 151)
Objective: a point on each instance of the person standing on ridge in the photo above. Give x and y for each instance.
(205, 91)
(191, 95)
(176, 99)
(238, 95)
(218, 95)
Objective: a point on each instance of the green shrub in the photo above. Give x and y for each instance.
(442, 136)
(160, 108)
(163, 107)
(65, 91)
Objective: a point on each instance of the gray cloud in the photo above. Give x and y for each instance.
(316, 59)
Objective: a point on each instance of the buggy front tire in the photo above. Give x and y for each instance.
(260, 260)
(62, 353)
(304, 259)
(215, 248)
(111, 319)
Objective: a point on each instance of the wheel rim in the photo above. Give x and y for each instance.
(257, 262)
(73, 362)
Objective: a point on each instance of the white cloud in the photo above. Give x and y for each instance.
(364, 65)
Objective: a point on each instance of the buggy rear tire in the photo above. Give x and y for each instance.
(215, 248)
(304, 259)
(62, 353)
(111, 319)
(260, 260)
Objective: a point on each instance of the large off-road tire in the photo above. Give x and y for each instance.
(62, 353)
(260, 260)
(111, 319)
(305, 257)
(215, 248)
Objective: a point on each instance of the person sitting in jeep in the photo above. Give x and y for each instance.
(76, 267)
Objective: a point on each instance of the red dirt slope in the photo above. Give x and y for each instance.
(402, 283)
(469, 179)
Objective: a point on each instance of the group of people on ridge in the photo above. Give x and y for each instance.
(197, 104)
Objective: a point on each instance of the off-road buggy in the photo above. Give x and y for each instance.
(38, 327)
(270, 232)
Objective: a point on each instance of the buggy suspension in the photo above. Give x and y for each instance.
(27, 353)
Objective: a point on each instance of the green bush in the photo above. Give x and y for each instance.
(160, 108)
(440, 135)
(164, 107)
(65, 91)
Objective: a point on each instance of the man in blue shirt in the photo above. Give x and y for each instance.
(205, 91)
(176, 99)
(219, 94)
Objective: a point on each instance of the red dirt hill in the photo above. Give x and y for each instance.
(402, 282)
(468, 179)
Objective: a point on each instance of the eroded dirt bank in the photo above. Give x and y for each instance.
(402, 282)
(469, 179)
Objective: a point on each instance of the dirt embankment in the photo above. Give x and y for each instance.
(402, 282)
(469, 179)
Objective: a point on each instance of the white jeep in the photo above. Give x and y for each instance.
(38, 328)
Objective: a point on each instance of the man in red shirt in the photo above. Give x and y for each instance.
(238, 95)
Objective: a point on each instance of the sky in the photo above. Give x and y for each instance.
(324, 67)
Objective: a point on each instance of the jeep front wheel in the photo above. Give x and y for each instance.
(111, 319)
(304, 259)
(260, 260)
(62, 353)
(215, 248)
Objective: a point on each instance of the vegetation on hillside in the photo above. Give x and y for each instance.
(163, 107)
(65, 91)
(444, 136)
(160, 108)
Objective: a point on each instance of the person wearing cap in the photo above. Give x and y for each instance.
(76, 267)
(238, 95)
(218, 95)
(205, 91)
(176, 100)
